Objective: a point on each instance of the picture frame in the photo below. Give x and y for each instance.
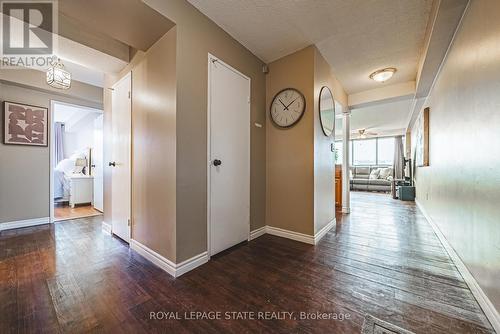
(25, 124)
(422, 139)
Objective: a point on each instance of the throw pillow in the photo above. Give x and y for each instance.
(374, 174)
(385, 173)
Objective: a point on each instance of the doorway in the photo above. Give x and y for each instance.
(76, 161)
(228, 156)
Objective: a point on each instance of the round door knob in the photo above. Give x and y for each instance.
(112, 164)
(217, 162)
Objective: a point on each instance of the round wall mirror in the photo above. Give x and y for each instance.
(326, 111)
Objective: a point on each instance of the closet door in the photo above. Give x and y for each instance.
(121, 119)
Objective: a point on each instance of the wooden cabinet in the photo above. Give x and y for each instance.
(338, 186)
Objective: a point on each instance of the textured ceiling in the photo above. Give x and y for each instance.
(356, 37)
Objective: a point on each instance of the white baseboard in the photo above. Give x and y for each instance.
(483, 300)
(24, 223)
(174, 269)
(106, 228)
(257, 233)
(321, 233)
(306, 238)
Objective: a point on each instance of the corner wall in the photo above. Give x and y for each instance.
(197, 36)
(290, 152)
(300, 188)
(460, 190)
(324, 158)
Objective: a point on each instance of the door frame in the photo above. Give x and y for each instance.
(213, 59)
(52, 153)
(130, 149)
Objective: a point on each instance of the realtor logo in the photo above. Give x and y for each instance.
(28, 27)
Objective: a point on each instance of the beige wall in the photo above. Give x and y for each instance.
(324, 158)
(153, 142)
(24, 170)
(196, 37)
(460, 189)
(290, 152)
(300, 164)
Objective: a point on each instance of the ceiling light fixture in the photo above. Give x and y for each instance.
(383, 74)
(57, 76)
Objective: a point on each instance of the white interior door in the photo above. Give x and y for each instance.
(229, 151)
(98, 163)
(121, 152)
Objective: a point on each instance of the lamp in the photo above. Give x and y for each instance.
(80, 165)
(383, 74)
(57, 76)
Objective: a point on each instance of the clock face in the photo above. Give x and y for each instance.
(287, 107)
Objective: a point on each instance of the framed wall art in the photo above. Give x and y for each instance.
(25, 124)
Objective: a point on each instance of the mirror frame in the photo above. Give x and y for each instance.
(320, 113)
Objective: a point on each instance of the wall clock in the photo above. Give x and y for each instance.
(287, 107)
(326, 111)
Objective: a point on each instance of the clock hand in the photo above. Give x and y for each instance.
(291, 102)
(286, 107)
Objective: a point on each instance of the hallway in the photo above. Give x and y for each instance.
(383, 260)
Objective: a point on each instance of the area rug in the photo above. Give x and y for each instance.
(374, 325)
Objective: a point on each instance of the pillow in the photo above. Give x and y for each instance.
(385, 173)
(67, 166)
(374, 174)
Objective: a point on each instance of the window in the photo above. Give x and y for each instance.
(364, 152)
(368, 152)
(385, 151)
(338, 152)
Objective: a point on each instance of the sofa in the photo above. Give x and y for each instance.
(371, 178)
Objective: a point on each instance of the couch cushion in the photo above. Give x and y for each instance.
(361, 171)
(374, 174)
(380, 182)
(360, 181)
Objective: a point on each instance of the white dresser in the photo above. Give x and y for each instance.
(82, 189)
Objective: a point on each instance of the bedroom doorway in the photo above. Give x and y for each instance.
(76, 148)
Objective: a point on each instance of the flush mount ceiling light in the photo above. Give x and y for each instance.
(57, 76)
(383, 74)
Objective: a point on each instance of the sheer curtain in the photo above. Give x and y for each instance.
(399, 158)
(58, 141)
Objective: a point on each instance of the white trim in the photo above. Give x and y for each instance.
(24, 223)
(483, 300)
(173, 269)
(257, 233)
(306, 238)
(346, 210)
(211, 59)
(301, 237)
(321, 233)
(107, 228)
(51, 162)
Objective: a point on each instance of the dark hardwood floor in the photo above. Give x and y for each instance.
(383, 259)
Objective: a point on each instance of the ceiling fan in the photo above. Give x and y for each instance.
(362, 133)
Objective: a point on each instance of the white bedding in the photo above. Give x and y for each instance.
(61, 185)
